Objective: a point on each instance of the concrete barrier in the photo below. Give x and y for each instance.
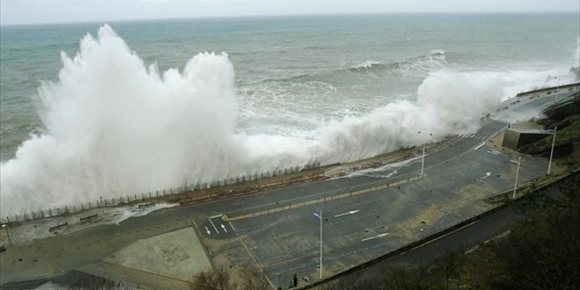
(88, 219)
(146, 205)
(573, 85)
(58, 227)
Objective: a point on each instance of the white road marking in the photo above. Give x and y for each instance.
(316, 215)
(214, 227)
(478, 146)
(377, 236)
(207, 231)
(232, 225)
(487, 174)
(472, 249)
(224, 227)
(347, 213)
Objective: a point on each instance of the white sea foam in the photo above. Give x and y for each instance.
(116, 127)
(368, 64)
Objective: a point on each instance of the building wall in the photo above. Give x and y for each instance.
(511, 139)
(514, 139)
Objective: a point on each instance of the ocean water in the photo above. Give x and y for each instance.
(136, 107)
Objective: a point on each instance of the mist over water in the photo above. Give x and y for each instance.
(115, 125)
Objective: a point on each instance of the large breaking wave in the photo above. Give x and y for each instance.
(114, 126)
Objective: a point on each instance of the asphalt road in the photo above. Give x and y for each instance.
(496, 224)
(287, 241)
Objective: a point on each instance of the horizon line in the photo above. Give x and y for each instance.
(209, 17)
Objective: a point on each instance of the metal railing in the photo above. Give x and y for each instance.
(157, 195)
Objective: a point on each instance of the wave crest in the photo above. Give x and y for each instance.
(413, 67)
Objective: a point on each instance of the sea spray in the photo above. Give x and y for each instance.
(577, 54)
(448, 103)
(115, 127)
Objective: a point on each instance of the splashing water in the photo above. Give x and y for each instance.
(577, 53)
(115, 126)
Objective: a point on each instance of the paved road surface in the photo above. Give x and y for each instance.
(489, 227)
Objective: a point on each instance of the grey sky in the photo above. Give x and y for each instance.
(51, 11)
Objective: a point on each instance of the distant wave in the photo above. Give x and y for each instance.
(415, 67)
(420, 64)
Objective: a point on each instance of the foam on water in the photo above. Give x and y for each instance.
(115, 126)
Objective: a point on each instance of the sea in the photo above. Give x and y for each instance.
(108, 109)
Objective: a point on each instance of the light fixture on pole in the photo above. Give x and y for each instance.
(517, 175)
(552, 149)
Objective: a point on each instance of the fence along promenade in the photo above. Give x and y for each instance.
(168, 194)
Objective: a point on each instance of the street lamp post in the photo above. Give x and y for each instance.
(423, 161)
(102, 206)
(320, 244)
(552, 149)
(423, 156)
(5, 227)
(517, 175)
(556, 94)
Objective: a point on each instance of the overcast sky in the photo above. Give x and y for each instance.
(57, 11)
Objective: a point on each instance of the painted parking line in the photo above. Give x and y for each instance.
(347, 213)
(375, 237)
(213, 225)
(220, 227)
(232, 226)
